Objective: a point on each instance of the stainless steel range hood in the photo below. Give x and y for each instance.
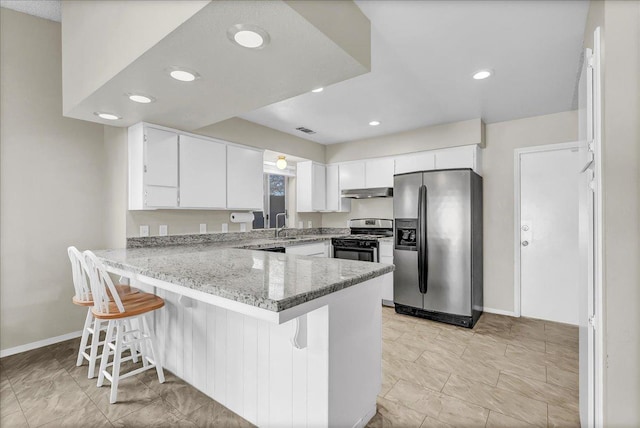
(376, 192)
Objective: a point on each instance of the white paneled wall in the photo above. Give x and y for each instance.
(251, 366)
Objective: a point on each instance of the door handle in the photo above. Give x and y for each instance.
(525, 243)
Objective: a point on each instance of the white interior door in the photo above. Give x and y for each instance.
(549, 262)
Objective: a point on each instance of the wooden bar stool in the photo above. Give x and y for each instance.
(109, 306)
(83, 297)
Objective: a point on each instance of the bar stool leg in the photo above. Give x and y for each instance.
(95, 341)
(115, 373)
(135, 348)
(105, 352)
(154, 353)
(85, 338)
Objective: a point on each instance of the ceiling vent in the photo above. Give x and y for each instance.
(306, 130)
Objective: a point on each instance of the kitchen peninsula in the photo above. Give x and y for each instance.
(280, 339)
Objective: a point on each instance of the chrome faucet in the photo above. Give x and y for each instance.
(284, 226)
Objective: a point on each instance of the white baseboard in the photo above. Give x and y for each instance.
(39, 344)
(499, 312)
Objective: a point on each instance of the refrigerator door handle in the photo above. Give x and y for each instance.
(423, 263)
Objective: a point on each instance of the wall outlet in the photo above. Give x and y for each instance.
(203, 227)
(225, 227)
(301, 225)
(163, 230)
(309, 224)
(144, 230)
(243, 227)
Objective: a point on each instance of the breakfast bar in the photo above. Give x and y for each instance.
(280, 339)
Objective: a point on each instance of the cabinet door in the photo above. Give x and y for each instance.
(424, 161)
(319, 193)
(379, 173)
(334, 200)
(352, 175)
(203, 173)
(160, 197)
(160, 158)
(457, 157)
(304, 186)
(245, 181)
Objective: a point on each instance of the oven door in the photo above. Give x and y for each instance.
(360, 254)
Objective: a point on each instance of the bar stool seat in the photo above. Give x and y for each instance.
(122, 289)
(134, 304)
(121, 313)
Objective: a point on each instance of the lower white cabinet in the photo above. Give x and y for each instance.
(245, 182)
(317, 249)
(386, 257)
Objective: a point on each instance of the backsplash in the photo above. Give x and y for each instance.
(161, 241)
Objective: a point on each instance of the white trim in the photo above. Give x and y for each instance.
(516, 210)
(598, 280)
(39, 344)
(499, 312)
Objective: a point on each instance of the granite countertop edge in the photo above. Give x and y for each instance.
(250, 299)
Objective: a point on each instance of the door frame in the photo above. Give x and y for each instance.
(517, 154)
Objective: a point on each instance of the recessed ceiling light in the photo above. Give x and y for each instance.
(317, 90)
(248, 36)
(139, 98)
(107, 116)
(183, 74)
(374, 123)
(482, 74)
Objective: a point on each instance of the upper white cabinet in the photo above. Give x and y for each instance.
(455, 157)
(379, 173)
(458, 157)
(153, 168)
(203, 173)
(335, 201)
(245, 182)
(173, 169)
(352, 175)
(311, 187)
(423, 161)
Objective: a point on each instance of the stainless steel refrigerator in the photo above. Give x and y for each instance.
(438, 245)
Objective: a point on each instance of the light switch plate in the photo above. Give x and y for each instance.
(163, 230)
(301, 225)
(144, 230)
(309, 224)
(243, 227)
(225, 227)
(203, 227)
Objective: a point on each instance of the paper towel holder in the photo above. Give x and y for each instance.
(242, 217)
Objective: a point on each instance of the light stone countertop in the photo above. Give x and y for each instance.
(272, 281)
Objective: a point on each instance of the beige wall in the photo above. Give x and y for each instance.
(498, 187)
(51, 185)
(620, 24)
(415, 140)
(115, 187)
(501, 139)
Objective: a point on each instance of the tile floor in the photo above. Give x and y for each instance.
(506, 372)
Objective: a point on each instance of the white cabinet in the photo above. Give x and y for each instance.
(310, 187)
(335, 202)
(379, 173)
(423, 161)
(457, 157)
(367, 174)
(203, 173)
(153, 168)
(352, 175)
(386, 256)
(245, 182)
(452, 158)
(318, 249)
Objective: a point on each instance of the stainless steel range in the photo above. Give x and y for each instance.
(362, 244)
